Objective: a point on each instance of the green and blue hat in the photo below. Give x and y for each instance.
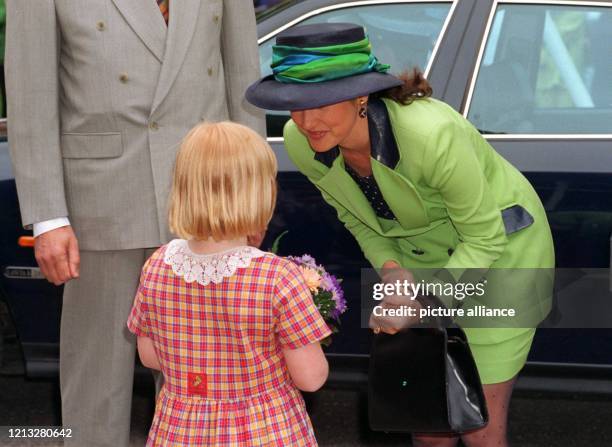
(318, 65)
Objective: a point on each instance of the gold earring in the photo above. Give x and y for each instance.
(362, 109)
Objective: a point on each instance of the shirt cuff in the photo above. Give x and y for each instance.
(48, 225)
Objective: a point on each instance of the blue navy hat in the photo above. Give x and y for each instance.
(318, 65)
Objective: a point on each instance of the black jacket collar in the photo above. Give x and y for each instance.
(382, 142)
(327, 157)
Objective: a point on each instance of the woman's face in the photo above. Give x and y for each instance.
(328, 126)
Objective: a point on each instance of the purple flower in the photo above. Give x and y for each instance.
(328, 283)
(309, 260)
(304, 260)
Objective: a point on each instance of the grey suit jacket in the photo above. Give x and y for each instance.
(100, 94)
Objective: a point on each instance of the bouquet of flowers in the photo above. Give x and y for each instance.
(326, 291)
(324, 287)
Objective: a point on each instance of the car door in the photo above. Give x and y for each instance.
(540, 90)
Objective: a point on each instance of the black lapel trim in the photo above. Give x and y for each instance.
(328, 157)
(382, 141)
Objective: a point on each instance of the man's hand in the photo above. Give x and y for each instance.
(391, 273)
(57, 254)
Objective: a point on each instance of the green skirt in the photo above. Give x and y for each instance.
(501, 361)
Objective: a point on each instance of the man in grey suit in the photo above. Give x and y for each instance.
(100, 94)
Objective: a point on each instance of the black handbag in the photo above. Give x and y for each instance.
(424, 379)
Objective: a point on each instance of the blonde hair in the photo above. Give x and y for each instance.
(224, 183)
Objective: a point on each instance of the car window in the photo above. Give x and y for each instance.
(546, 69)
(403, 35)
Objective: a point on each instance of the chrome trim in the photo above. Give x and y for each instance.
(368, 3)
(557, 2)
(542, 136)
(476, 70)
(275, 139)
(593, 366)
(21, 272)
(434, 52)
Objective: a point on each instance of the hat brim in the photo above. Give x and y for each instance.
(268, 93)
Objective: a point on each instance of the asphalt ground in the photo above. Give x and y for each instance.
(339, 416)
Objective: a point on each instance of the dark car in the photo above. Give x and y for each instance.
(534, 77)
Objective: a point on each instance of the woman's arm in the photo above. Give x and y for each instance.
(147, 354)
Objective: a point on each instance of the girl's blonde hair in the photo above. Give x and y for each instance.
(224, 183)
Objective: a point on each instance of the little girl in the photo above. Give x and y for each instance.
(233, 329)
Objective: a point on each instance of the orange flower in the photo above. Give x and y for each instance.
(312, 278)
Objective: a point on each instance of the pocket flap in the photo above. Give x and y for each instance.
(516, 218)
(91, 145)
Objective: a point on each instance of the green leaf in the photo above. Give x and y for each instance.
(276, 243)
(326, 341)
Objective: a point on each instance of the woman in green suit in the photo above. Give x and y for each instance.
(416, 185)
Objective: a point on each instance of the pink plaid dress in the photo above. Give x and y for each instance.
(219, 323)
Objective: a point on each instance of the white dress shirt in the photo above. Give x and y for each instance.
(47, 225)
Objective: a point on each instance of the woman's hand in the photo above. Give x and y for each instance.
(392, 273)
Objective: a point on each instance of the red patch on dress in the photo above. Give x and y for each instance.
(196, 383)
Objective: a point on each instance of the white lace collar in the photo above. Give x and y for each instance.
(207, 268)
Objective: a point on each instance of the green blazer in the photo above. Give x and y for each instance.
(448, 189)
(447, 192)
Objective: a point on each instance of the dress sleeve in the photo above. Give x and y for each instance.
(138, 321)
(299, 322)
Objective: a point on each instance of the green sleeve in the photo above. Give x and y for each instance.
(376, 248)
(452, 167)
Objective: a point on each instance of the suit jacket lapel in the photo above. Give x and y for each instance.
(339, 184)
(183, 18)
(145, 18)
(401, 196)
(399, 192)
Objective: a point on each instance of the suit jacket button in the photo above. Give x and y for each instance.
(216, 18)
(209, 71)
(450, 251)
(153, 125)
(418, 252)
(101, 26)
(123, 77)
